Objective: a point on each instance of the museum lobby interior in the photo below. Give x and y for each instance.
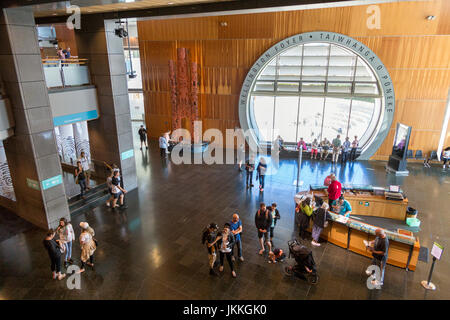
(193, 73)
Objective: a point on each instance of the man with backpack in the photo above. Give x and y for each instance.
(263, 222)
(210, 238)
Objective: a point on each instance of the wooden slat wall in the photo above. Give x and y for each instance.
(415, 50)
(66, 38)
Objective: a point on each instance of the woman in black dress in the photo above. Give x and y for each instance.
(54, 252)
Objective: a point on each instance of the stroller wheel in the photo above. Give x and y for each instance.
(288, 271)
(312, 279)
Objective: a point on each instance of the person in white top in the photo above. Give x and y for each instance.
(86, 167)
(67, 236)
(446, 156)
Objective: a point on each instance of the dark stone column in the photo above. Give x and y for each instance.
(110, 136)
(32, 151)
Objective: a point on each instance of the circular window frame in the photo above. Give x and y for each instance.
(366, 54)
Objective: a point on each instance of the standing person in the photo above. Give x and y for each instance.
(336, 143)
(314, 149)
(68, 53)
(169, 141)
(345, 150)
(280, 142)
(249, 168)
(319, 223)
(226, 244)
(334, 190)
(163, 145)
(117, 191)
(379, 248)
(261, 173)
(325, 145)
(86, 167)
(80, 178)
(263, 221)
(143, 136)
(301, 144)
(241, 156)
(236, 230)
(88, 245)
(60, 54)
(54, 252)
(355, 145)
(110, 186)
(306, 209)
(210, 238)
(445, 156)
(275, 216)
(66, 235)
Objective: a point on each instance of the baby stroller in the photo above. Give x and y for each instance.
(305, 267)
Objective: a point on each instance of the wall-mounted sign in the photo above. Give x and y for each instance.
(70, 106)
(33, 184)
(52, 182)
(127, 154)
(75, 117)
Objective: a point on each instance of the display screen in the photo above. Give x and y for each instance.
(400, 140)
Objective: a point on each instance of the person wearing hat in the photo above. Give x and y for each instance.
(210, 238)
(88, 245)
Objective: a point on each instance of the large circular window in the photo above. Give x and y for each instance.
(318, 85)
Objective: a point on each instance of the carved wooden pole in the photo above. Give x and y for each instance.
(194, 101)
(173, 96)
(182, 84)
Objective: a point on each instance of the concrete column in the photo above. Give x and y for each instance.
(32, 152)
(110, 136)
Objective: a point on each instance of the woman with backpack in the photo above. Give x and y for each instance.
(320, 222)
(261, 172)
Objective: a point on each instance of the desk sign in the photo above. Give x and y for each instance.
(436, 251)
(33, 184)
(51, 182)
(127, 154)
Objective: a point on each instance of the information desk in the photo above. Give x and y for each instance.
(366, 203)
(349, 233)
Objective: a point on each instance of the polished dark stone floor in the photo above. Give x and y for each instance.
(152, 250)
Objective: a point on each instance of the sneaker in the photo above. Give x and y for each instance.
(233, 274)
(62, 276)
(108, 204)
(221, 268)
(141, 149)
(315, 243)
(241, 258)
(252, 185)
(146, 148)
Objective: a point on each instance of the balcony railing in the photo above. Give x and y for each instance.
(61, 73)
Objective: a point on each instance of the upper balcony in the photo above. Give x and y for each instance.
(62, 73)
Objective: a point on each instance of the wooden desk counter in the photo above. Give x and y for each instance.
(366, 204)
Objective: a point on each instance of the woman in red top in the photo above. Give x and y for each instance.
(334, 190)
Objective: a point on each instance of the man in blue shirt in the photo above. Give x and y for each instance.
(342, 206)
(236, 229)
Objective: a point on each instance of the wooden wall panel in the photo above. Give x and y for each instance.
(66, 38)
(416, 52)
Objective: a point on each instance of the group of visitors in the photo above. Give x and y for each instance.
(63, 53)
(347, 149)
(261, 171)
(225, 241)
(59, 244)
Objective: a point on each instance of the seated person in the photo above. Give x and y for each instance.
(342, 207)
(276, 256)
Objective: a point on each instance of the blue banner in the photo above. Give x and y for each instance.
(76, 117)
